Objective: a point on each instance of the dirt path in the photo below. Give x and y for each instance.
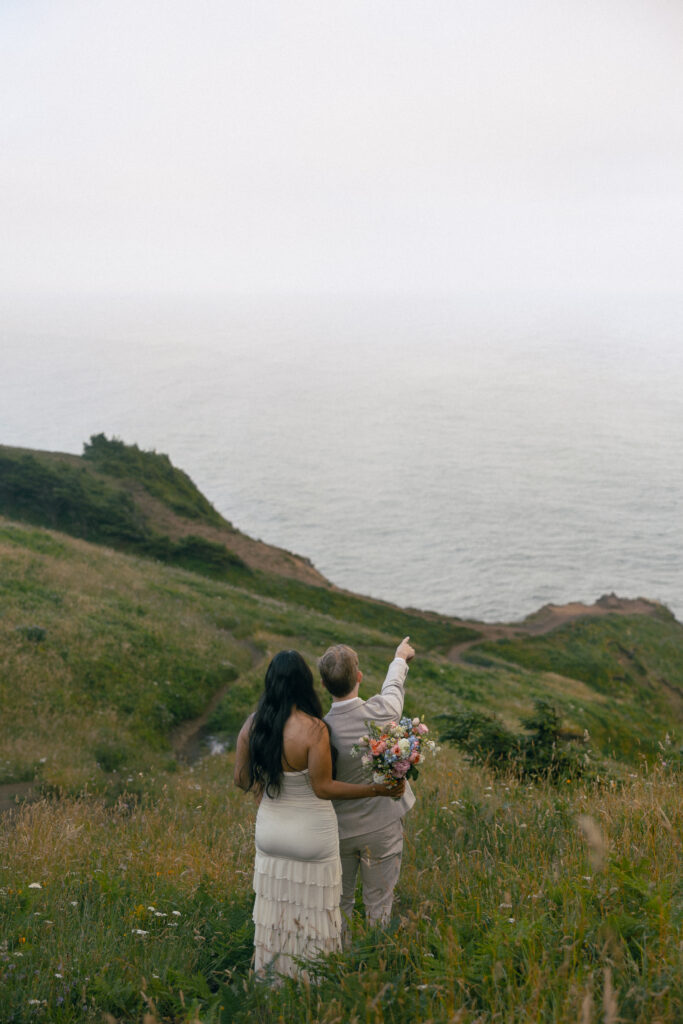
(187, 738)
(551, 617)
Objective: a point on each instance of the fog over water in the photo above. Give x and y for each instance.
(478, 456)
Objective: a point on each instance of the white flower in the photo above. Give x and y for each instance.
(176, 913)
(416, 721)
(139, 931)
(404, 746)
(160, 913)
(35, 885)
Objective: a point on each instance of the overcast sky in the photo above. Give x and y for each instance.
(302, 145)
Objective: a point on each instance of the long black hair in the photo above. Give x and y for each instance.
(288, 684)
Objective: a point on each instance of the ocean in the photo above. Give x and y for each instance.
(475, 455)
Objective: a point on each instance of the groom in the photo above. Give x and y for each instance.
(370, 831)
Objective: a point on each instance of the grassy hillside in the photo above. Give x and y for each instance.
(105, 655)
(156, 473)
(631, 664)
(136, 501)
(518, 902)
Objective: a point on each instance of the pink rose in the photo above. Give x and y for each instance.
(421, 729)
(400, 768)
(396, 750)
(415, 757)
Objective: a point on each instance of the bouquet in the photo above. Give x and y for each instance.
(394, 751)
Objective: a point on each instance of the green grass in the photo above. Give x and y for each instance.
(634, 662)
(68, 496)
(504, 910)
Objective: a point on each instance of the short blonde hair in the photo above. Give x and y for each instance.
(338, 669)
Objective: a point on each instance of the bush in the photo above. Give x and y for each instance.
(543, 752)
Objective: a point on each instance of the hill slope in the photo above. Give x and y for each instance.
(114, 662)
(125, 886)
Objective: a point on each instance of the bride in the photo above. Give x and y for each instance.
(284, 755)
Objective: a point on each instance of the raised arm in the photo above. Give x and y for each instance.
(241, 773)
(389, 702)
(320, 773)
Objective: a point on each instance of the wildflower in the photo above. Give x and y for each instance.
(176, 913)
(511, 920)
(139, 931)
(35, 885)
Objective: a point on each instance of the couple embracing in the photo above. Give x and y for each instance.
(319, 819)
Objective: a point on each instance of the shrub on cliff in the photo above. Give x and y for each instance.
(542, 752)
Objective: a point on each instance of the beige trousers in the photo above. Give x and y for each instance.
(378, 855)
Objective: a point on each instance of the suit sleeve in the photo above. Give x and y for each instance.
(388, 704)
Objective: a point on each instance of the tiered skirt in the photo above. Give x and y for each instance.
(296, 912)
(297, 880)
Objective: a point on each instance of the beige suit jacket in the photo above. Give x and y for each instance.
(348, 720)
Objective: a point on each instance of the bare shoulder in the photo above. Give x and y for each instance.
(309, 726)
(246, 728)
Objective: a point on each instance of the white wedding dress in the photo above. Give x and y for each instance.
(297, 878)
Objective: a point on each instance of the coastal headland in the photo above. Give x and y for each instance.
(136, 626)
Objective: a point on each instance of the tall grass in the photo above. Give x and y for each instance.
(516, 903)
